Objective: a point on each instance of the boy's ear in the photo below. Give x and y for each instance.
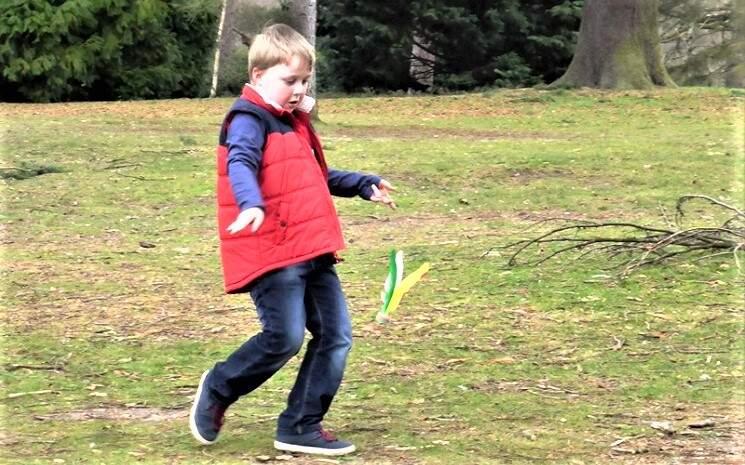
(254, 74)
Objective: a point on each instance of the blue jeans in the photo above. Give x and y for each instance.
(288, 300)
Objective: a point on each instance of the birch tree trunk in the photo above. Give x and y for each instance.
(218, 41)
(304, 14)
(422, 64)
(618, 47)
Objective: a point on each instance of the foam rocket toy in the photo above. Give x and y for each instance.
(396, 285)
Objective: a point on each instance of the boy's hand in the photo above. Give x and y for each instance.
(253, 216)
(381, 193)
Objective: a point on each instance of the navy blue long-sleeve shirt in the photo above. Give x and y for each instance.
(245, 143)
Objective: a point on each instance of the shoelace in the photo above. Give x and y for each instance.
(327, 436)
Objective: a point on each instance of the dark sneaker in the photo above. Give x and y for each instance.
(315, 442)
(207, 414)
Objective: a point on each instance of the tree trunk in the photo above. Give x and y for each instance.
(216, 63)
(736, 76)
(421, 64)
(618, 47)
(304, 14)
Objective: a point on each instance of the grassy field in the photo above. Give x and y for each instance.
(113, 304)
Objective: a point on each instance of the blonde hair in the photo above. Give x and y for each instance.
(277, 44)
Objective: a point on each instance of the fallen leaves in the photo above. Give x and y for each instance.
(664, 426)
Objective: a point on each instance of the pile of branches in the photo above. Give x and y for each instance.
(641, 245)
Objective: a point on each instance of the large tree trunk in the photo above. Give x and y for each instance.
(303, 13)
(618, 47)
(736, 76)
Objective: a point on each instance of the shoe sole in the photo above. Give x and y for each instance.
(193, 414)
(283, 446)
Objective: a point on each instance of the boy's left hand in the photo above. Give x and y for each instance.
(381, 193)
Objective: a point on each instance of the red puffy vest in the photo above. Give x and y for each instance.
(300, 218)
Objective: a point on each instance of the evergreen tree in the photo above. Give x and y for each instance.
(474, 43)
(53, 50)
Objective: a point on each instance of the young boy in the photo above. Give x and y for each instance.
(279, 233)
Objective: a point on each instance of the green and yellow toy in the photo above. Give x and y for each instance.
(396, 285)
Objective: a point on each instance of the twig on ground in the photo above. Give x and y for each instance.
(31, 393)
(14, 366)
(639, 245)
(140, 178)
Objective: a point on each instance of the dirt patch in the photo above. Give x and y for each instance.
(724, 445)
(148, 305)
(421, 230)
(465, 220)
(152, 109)
(525, 175)
(422, 132)
(117, 413)
(540, 389)
(693, 435)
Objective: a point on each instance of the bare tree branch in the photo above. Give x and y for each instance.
(246, 39)
(643, 245)
(682, 200)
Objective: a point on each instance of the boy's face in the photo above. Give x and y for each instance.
(285, 83)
